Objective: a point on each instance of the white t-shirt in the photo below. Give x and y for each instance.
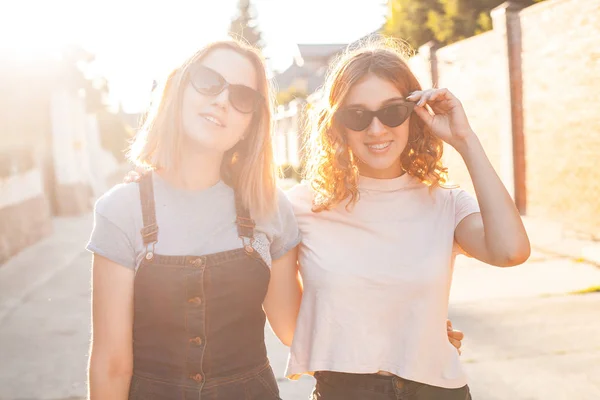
(377, 281)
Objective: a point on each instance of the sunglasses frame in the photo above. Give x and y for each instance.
(259, 98)
(339, 114)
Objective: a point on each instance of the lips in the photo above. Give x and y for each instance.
(213, 119)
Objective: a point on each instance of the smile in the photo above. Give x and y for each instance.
(212, 119)
(379, 146)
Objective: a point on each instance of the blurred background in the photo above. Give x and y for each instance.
(76, 77)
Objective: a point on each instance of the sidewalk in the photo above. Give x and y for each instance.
(552, 238)
(33, 267)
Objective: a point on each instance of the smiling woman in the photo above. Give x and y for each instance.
(182, 258)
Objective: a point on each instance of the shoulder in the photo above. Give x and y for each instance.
(449, 193)
(283, 211)
(118, 201)
(300, 196)
(456, 199)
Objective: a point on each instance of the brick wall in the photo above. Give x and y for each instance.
(559, 46)
(561, 94)
(475, 81)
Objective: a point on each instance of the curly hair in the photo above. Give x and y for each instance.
(331, 168)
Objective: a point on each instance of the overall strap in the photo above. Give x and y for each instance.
(150, 230)
(245, 224)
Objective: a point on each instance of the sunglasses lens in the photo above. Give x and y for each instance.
(355, 119)
(207, 81)
(394, 115)
(244, 99)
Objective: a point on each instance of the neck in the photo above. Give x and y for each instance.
(198, 169)
(394, 171)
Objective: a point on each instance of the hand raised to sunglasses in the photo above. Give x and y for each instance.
(445, 117)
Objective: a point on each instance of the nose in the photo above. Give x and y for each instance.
(221, 100)
(376, 128)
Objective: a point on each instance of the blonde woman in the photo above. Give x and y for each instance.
(182, 259)
(380, 232)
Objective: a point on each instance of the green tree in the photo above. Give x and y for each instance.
(244, 25)
(446, 21)
(407, 20)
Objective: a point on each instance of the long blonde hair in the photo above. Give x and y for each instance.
(248, 167)
(331, 167)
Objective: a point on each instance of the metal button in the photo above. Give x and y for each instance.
(399, 383)
(149, 255)
(197, 262)
(196, 340)
(249, 249)
(195, 300)
(197, 377)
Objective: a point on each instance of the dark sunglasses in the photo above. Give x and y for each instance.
(359, 119)
(209, 82)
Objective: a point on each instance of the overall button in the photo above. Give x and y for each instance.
(197, 377)
(195, 301)
(399, 383)
(197, 262)
(197, 341)
(249, 249)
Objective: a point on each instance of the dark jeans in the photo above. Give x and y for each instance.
(343, 386)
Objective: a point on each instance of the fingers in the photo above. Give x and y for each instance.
(454, 334)
(456, 343)
(455, 337)
(422, 97)
(425, 114)
(439, 94)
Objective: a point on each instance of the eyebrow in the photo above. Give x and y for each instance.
(396, 99)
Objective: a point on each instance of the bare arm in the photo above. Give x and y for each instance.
(284, 294)
(111, 352)
(496, 235)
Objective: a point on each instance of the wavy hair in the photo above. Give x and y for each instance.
(331, 168)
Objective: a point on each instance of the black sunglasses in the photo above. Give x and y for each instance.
(359, 119)
(209, 82)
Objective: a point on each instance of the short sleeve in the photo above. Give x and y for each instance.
(113, 232)
(464, 205)
(287, 236)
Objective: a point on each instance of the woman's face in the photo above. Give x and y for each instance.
(378, 147)
(210, 120)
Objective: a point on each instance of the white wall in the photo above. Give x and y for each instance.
(21, 187)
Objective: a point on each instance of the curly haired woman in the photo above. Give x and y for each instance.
(381, 229)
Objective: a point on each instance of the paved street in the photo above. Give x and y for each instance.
(525, 337)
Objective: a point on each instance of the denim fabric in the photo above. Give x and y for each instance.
(198, 330)
(344, 386)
